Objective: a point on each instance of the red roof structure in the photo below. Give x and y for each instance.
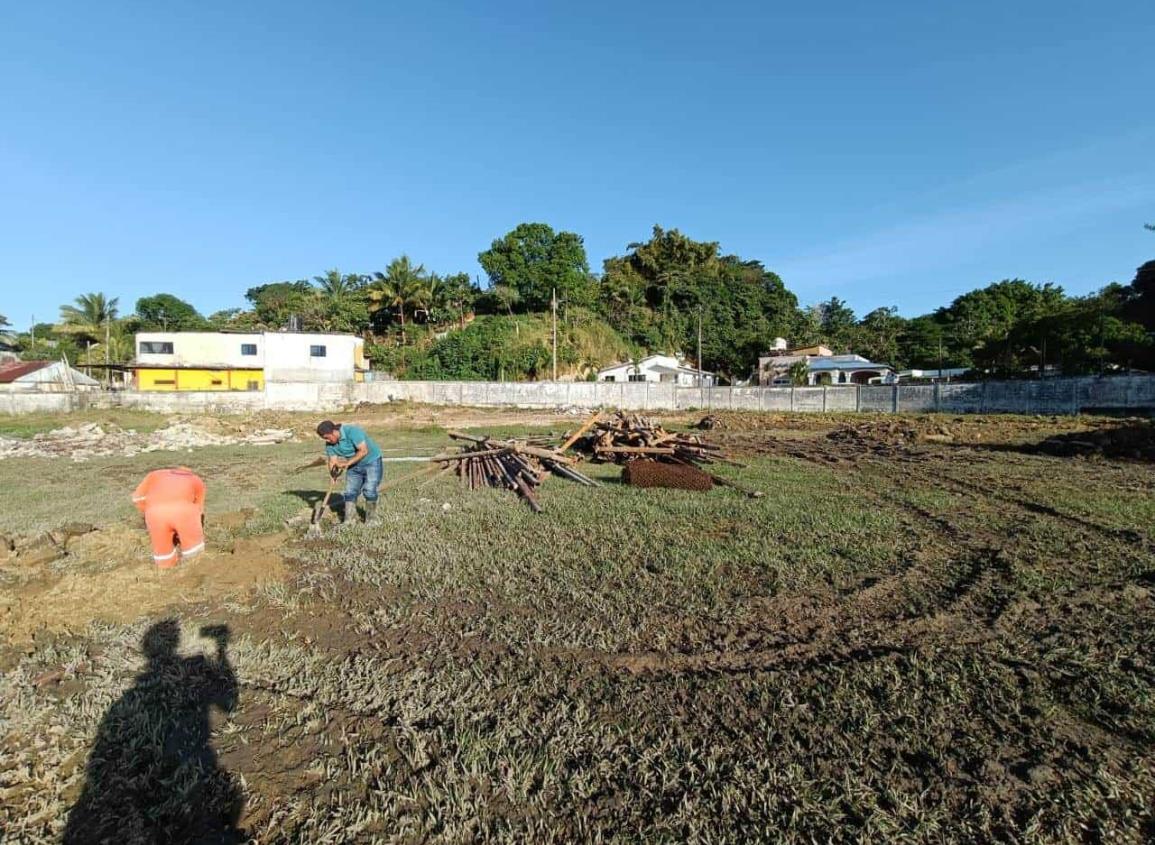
(14, 370)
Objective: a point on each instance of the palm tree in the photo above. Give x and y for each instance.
(91, 316)
(799, 372)
(398, 287)
(431, 298)
(336, 286)
(6, 337)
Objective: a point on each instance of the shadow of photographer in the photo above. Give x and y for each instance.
(152, 775)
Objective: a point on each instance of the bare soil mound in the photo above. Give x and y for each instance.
(1131, 440)
(55, 582)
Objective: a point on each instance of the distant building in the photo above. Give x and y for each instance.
(244, 360)
(822, 367)
(945, 374)
(665, 369)
(46, 376)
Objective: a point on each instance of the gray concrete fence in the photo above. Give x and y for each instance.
(1114, 394)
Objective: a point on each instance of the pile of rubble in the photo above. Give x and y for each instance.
(93, 440)
(890, 433)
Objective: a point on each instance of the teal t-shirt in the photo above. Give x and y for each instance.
(352, 436)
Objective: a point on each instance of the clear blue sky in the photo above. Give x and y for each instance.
(886, 153)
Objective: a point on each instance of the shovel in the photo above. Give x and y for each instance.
(320, 508)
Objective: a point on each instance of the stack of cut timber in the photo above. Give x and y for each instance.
(517, 465)
(625, 437)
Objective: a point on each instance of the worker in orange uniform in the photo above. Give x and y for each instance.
(173, 503)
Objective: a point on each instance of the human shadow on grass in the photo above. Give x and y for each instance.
(152, 775)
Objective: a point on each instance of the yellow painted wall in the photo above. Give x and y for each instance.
(191, 379)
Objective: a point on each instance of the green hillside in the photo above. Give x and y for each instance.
(510, 347)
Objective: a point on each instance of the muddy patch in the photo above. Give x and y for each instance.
(108, 575)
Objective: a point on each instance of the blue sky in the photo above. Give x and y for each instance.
(886, 153)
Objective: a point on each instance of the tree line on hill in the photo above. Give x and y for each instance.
(423, 324)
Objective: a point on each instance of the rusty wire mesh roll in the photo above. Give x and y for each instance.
(646, 473)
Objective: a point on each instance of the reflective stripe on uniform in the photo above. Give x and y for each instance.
(166, 557)
(199, 547)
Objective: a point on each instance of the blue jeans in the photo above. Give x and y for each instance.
(363, 477)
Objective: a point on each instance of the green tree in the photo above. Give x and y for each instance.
(6, 337)
(979, 323)
(336, 286)
(535, 261)
(339, 302)
(165, 312)
(877, 336)
(1140, 298)
(274, 303)
(399, 287)
(923, 343)
(655, 294)
(799, 372)
(89, 316)
(460, 296)
(837, 324)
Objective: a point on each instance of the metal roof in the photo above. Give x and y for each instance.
(10, 372)
(43, 372)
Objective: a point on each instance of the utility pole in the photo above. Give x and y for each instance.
(107, 332)
(701, 380)
(553, 308)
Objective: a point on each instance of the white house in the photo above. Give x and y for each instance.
(822, 367)
(245, 360)
(667, 369)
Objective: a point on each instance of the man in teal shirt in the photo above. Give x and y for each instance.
(349, 448)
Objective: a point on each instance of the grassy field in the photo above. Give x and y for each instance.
(924, 642)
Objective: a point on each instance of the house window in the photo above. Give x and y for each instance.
(610, 378)
(254, 385)
(164, 381)
(316, 351)
(217, 382)
(637, 376)
(248, 349)
(155, 347)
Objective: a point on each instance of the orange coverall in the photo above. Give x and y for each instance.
(172, 501)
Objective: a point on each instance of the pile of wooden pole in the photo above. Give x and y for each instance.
(622, 437)
(517, 465)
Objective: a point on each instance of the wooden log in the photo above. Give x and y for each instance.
(573, 438)
(527, 492)
(545, 454)
(637, 450)
(457, 435)
(385, 485)
(464, 456)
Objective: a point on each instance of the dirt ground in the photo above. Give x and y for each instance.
(930, 629)
(60, 582)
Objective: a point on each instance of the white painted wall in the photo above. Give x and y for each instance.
(284, 356)
(202, 349)
(288, 358)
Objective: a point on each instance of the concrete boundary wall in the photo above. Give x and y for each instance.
(1051, 396)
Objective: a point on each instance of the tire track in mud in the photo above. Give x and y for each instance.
(957, 605)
